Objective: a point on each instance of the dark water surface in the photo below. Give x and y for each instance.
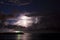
(30, 36)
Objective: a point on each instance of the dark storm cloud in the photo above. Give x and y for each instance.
(44, 7)
(36, 5)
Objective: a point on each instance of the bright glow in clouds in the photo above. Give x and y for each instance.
(24, 21)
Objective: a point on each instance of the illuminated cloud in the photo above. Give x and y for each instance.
(24, 21)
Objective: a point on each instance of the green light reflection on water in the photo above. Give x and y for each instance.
(18, 36)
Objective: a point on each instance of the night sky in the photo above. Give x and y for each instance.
(34, 6)
(44, 7)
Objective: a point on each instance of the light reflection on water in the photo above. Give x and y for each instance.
(30, 36)
(15, 36)
(25, 36)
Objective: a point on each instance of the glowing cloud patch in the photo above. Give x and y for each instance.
(24, 21)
